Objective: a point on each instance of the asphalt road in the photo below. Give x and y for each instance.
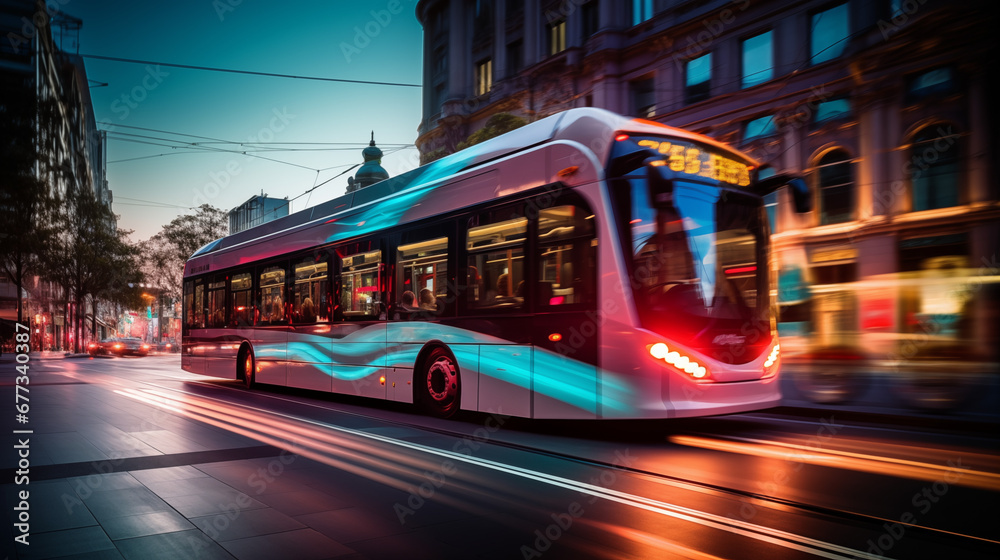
(135, 458)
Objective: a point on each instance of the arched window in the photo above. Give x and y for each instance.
(835, 184)
(933, 167)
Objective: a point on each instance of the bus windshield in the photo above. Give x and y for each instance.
(698, 260)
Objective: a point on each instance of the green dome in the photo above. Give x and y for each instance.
(371, 171)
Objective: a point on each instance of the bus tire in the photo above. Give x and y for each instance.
(246, 366)
(439, 383)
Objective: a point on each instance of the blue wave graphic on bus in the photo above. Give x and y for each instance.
(390, 212)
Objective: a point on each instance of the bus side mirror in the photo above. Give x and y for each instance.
(661, 189)
(801, 195)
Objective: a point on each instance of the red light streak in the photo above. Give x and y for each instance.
(741, 270)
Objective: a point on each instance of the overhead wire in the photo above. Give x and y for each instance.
(248, 72)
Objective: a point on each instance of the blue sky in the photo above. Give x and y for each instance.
(332, 39)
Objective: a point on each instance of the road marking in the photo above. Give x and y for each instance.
(215, 415)
(842, 459)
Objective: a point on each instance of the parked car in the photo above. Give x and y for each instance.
(119, 346)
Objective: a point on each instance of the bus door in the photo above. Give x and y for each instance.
(270, 333)
(358, 348)
(566, 325)
(421, 303)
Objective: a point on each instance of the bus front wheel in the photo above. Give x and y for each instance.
(439, 384)
(246, 367)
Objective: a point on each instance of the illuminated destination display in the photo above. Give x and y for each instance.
(689, 159)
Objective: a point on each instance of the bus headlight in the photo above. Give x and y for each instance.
(679, 361)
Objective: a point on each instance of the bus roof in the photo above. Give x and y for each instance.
(589, 127)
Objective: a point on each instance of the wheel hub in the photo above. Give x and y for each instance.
(442, 380)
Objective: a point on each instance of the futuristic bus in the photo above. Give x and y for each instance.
(586, 265)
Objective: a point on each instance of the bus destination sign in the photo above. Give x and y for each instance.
(689, 159)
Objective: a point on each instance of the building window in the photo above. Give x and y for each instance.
(698, 79)
(641, 11)
(515, 8)
(484, 76)
(483, 17)
(940, 81)
(895, 8)
(829, 31)
(440, 60)
(643, 98)
(557, 37)
(590, 14)
(515, 57)
(760, 128)
(832, 110)
(758, 60)
(934, 168)
(835, 178)
(440, 94)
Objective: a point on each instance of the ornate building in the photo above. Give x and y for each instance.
(883, 105)
(371, 170)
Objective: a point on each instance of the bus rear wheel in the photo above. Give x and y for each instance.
(439, 384)
(245, 367)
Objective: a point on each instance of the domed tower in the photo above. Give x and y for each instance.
(371, 172)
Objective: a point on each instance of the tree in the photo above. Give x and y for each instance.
(90, 257)
(496, 125)
(166, 252)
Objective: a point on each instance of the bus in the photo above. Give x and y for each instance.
(584, 266)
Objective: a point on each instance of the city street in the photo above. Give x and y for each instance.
(135, 458)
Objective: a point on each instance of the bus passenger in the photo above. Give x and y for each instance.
(503, 285)
(409, 301)
(308, 311)
(427, 300)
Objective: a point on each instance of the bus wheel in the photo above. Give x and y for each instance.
(439, 384)
(245, 367)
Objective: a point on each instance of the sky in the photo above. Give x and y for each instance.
(315, 129)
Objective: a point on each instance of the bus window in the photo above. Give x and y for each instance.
(424, 268)
(217, 303)
(360, 291)
(188, 306)
(496, 264)
(309, 303)
(567, 256)
(272, 295)
(198, 306)
(242, 305)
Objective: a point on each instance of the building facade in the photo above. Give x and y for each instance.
(883, 105)
(73, 151)
(258, 209)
